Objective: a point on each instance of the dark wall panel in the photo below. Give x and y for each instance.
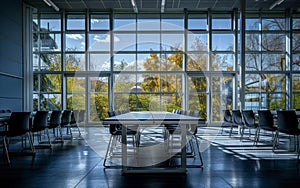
(11, 79)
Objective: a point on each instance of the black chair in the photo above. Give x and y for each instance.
(115, 131)
(249, 122)
(266, 122)
(18, 126)
(54, 122)
(65, 122)
(288, 124)
(227, 121)
(237, 119)
(40, 123)
(74, 122)
(192, 131)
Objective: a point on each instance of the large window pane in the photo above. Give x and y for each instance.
(124, 22)
(252, 62)
(99, 42)
(296, 42)
(271, 23)
(252, 82)
(75, 22)
(222, 42)
(50, 22)
(98, 98)
(172, 62)
(296, 82)
(252, 42)
(252, 101)
(221, 21)
(50, 82)
(222, 62)
(296, 101)
(50, 102)
(172, 22)
(50, 42)
(197, 42)
(273, 62)
(99, 62)
(273, 101)
(149, 62)
(124, 42)
(75, 42)
(252, 22)
(125, 62)
(296, 62)
(47, 61)
(172, 42)
(273, 82)
(197, 62)
(99, 22)
(197, 21)
(273, 42)
(75, 62)
(76, 87)
(148, 22)
(149, 42)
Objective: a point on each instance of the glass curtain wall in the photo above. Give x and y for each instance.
(99, 61)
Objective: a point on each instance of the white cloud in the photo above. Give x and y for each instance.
(75, 36)
(105, 39)
(82, 44)
(95, 21)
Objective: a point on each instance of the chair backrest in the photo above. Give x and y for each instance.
(40, 119)
(74, 116)
(249, 118)
(65, 117)
(227, 116)
(55, 118)
(287, 121)
(113, 127)
(237, 117)
(193, 127)
(81, 116)
(265, 119)
(18, 123)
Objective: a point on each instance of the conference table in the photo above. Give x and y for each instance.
(153, 118)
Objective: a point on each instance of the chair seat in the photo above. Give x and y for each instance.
(37, 128)
(129, 132)
(255, 125)
(295, 132)
(13, 134)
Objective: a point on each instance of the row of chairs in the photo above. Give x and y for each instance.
(284, 121)
(29, 125)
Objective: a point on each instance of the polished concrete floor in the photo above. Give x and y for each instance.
(228, 162)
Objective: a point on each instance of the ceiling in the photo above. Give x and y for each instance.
(143, 5)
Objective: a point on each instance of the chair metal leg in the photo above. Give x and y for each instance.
(256, 136)
(6, 149)
(242, 133)
(230, 130)
(199, 152)
(108, 149)
(275, 141)
(31, 143)
(48, 136)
